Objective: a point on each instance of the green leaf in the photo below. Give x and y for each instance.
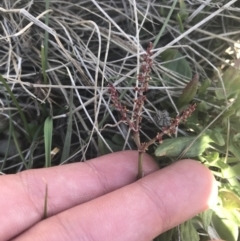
(203, 107)
(212, 157)
(228, 114)
(189, 92)
(231, 79)
(225, 228)
(18, 107)
(176, 63)
(217, 136)
(165, 23)
(166, 236)
(105, 150)
(219, 164)
(183, 13)
(206, 217)
(229, 199)
(18, 145)
(236, 138)
(234, 148)
(68, 137)
(188, 232)
(180, 22)
(204, 86)
(118, 140)
(174, 147)
(231, 171)
(44, 64)
(48, 132)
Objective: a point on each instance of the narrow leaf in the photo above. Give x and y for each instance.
(68, 137)
(48, 131)
(18, 107)
(189, 91)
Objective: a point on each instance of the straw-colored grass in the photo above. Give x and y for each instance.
(58, 58)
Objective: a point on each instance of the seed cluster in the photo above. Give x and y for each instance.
(162, 118)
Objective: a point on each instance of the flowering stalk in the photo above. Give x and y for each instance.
(134, 123)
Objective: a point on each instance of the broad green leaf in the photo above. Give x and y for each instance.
(226, 229)
(212, 157)
(213, 235)
(234, 148)
(203, 106)
(189, 92)
(228, 114)
(174, 147)
(166, 236)
(217, 137)
(192, 121)
(118, 139)
(227, 171)
(219, 164)
(206, 217)
(102, 147)
(176, 63)
(236, 138)
(231, 79)
(231, 171)
(229, 199)
(114, 147)
(188, 232)
(105, 150)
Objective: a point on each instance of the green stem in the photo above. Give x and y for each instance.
(165, 23)
(140, 167)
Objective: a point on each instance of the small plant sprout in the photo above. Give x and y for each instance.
(162, 117)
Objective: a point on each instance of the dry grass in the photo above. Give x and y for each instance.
(59, 59)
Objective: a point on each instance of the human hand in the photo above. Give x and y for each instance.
(101, 199)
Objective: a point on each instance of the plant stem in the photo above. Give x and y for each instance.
(140, 167)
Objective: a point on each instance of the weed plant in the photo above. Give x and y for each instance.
(60, 59)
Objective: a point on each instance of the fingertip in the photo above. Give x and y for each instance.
(180, 191)
(204, 180)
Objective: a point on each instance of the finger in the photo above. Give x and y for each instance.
(139, 211)
(22, 195)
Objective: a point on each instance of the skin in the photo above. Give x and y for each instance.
(101, 199)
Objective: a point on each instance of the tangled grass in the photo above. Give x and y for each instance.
(59, 57)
